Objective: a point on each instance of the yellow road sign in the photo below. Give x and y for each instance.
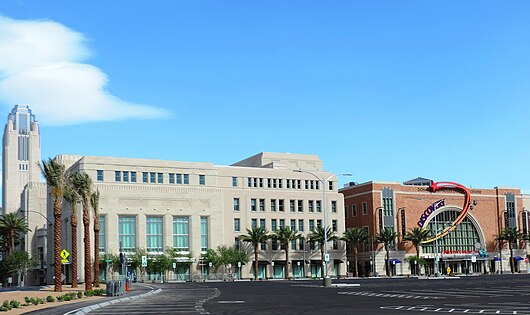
(64, 256)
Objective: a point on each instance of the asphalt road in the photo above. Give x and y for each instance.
(506, 294)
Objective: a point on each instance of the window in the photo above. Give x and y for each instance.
(133, 177)
(274, 244)
(312, 184)
(353, 210)
(293, 225)
(291, 205)
(274, 227)
(293, 245)
(281, 206)
(335, 244)
(288, 182)
(311, 225)
(144, 177)
(306, 184)
(334, 206)
(252, 204)
(262, 205)
(334, 225)
(186, 179)
(101, 233)
(179, 179)
(300, 205)
(263, 246)
(269, 183)
(237, 225)
(262, 223)
(273, 205)
(118, 176)
(254, 223)
(330, 185)
(160, 178)
(300, 225)
(126, 176)
(261, 182)
(236, 204)
(234, 181)
(346, 212)
(274, 183)
(319, 223)
(319, 206)
(299, 183)
(255, 182)
(282, 223)
(152, 177)
(171, 178)
(181, 233)
(249, 184)
(100, 175)
(280, 183)
(154, 234)
(301, 243)
(204, 233)
(311, 205)
(127, 233)
(237, 243)
(202, 180)
(365, 208)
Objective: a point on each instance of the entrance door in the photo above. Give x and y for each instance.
(298, 271)
(279, 271)
(316, 270)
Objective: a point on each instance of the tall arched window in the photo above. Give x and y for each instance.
(464, 237)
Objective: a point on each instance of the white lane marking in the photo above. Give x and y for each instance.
(231, 302)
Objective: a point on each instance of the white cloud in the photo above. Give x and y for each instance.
(40, 66)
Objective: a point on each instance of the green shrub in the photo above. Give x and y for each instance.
(3, 309)
(60, 298)
(89, 293)
(15, 304)
(79, 294)
(27, 300)
(7, 305)
(67, 297)
(50, 298)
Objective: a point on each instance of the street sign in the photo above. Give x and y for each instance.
(64, 256)
(174, 265)
(473, 258)
(326, 257)
(144, 261)
(62, 277)
(108, 260)
(239, 264)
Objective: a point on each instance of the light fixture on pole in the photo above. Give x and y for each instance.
(327, 278)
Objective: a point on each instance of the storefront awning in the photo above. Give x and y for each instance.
(395, 261)
(496, 259)
(518, 258)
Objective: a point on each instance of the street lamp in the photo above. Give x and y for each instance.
(327, 279)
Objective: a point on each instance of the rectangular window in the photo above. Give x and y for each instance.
(171, 178)
(335, 244)
(311, 225)
(261, 182)
(262, 205)
(274, 183)
(234, 181)
(288, 182)
(334, 225)
(346, 212)
(249, 183)
(100, 175)
(179, 179)
(281, 205)
(152, 177)
(312, 184)
(282, 223)
(319, 206)
(144, 177)
(300, 225)
(306, 184)
(300, 206)
(133, 177)
(204, 233)
(299, 183)
(127, 233)
(365, 208)
(237, 243)
(291, 205)
(255, 182)
(311, 205)
(252, 204)
(301, 243)
(334, 206)
(273, 205)
(263, 246)
(154, 234)
(126, 176)
(254, 223)
(262, 223)
(186, 179)
(293, 245)
(101, 233)
(274, 227)
(319, 223)
(202, 180)
(237, 225)
(293, 225)
(353, 210)
(118, 176)
(236, 204)
(181, 233)
(330, 185)
(160, 178)
(280, 183)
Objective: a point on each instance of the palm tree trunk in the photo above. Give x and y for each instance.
(511, 257)
(286, 262)
(417, 258)
(256, 262)
(88, 260)
(387, 261)
(355, 261)
(58, 287)
(322, 257)
(96, 255)
(73, 224)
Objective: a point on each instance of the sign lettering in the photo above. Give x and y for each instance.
(425, 215)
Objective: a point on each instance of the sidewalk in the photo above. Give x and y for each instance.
(42, 292)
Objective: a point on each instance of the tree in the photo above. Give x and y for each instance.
(387, 236)
(83, 185)
(11, 225)
(72, 198)
(318, 235)
(511, 236)
(224, 258)
(417, 236)
(354, 237)
(18, 263)
(113, 265)
(285, 236)
(94, 202)
(54, 173)
(256, 236)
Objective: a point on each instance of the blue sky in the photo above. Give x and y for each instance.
(385, 90)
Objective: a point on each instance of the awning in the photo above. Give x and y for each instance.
(518, 258)
(497, 259)
(395, 261)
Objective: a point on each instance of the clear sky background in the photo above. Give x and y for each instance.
(385, 90)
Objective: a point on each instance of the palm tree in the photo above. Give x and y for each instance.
(11, 225)
(82, 185)
(54, 173)
(285, 236)
(256, 236)
(511, 236)
(417, 236)
(387, 236)
(318, 235)
(72, 198)
(354, 237)
(94, 202)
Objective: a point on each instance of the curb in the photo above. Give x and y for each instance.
(88, 309)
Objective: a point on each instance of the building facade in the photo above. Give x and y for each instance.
(470, 247)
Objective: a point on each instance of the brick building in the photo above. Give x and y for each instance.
(471, 247)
